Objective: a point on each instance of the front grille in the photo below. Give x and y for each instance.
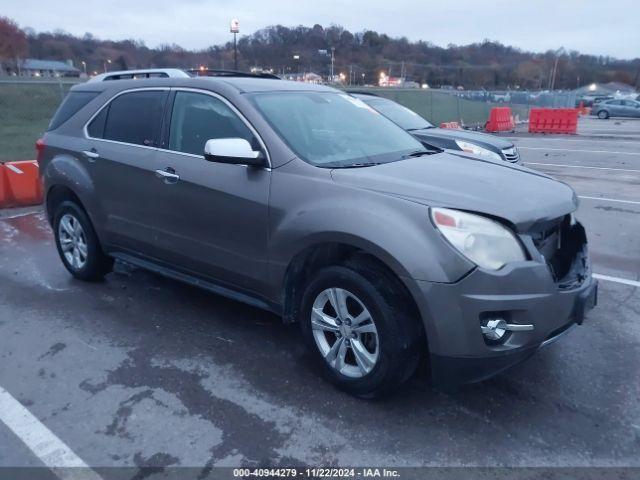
(563, 244)
(511, 154)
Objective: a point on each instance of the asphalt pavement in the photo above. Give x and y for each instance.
(140, 370)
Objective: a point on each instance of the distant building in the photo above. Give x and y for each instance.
(308, 77)
(606, 89)
(32, 67)
(386, 81)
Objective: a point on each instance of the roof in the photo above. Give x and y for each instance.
(35, 64)
(239, 84)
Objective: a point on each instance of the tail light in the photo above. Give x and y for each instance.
(39, 149)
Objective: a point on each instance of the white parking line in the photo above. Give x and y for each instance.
(576, 150)
(571, 140)
(584, 166)
(632, 202)
(52, 451)
(624, 281)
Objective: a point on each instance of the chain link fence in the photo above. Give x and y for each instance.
(26, 106)
(470, 108)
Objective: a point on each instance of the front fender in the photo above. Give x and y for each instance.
(312, 209)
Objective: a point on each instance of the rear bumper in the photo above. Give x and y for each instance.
(453, 313)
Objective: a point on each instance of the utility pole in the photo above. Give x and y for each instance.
(555, 71)
(235, 29)
(333, 59)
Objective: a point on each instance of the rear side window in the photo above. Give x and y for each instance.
(96, 127)
(71, 104)
(133, 117)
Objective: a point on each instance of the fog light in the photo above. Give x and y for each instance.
(495, 329)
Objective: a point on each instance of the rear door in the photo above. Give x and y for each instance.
(214, 217)
(123, 139)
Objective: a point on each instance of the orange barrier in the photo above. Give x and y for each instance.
(500, 120)
(582, 110)
(20, 184)
(553, 120)
(4, 187)
(451, 125)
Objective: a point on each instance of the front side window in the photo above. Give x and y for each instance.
(197, 117)
(334, 130)
(407, 119)
(133, 117)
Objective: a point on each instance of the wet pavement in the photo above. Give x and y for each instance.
(141, 370)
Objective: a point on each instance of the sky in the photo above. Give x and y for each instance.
(589, 26)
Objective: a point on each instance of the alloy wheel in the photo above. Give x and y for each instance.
(73, 241)
(345, 332)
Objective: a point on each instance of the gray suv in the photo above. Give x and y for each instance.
(304, 201)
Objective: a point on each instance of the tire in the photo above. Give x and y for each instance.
(603, 114)
(397, 333)
(78, 244)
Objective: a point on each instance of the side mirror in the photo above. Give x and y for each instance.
(232, 150)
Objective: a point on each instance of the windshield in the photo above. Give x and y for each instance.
(334, 130)
(407, 119)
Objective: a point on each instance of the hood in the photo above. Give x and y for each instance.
(483, 139)
(517, 194)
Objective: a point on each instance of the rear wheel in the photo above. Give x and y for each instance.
(603, 114)
(364, 339)
(77, 243)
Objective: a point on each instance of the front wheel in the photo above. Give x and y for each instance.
(364, 339)
(603, 114)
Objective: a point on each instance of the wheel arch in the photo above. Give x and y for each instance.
(322, 254)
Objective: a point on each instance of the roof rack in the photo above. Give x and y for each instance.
(213, 72)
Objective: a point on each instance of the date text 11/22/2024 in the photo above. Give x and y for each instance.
(316, 472)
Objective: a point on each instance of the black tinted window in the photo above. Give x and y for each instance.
(96, 127)
(73, 102)
(135, 118)
(197, 118)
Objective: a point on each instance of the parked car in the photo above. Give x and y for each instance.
(302, 200)
(616, 108)
(477, 143)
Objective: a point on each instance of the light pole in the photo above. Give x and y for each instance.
(333, 59)
(235, 29)
(84, 65)
(296, 58)
(104, 64)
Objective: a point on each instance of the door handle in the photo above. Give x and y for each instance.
(168, 176)
(92, 155)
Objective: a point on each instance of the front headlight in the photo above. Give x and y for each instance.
(485, 242)
(477, 150)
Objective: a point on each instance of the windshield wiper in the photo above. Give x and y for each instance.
(360, 165)
(419, 153)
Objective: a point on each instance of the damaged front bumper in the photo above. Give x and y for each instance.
(551, 293)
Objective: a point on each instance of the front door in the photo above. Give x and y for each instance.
(213, 216)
